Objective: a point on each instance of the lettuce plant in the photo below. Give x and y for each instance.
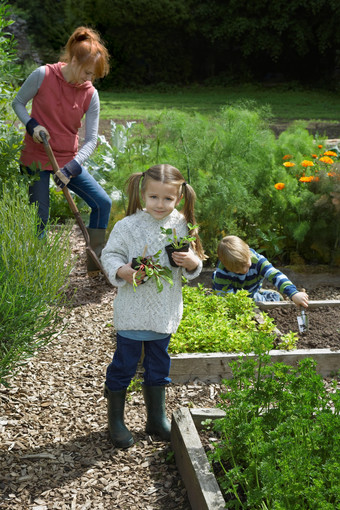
(214, 323)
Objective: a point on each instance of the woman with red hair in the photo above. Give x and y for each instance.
(62, 94)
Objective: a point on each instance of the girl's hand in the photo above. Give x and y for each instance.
(126, 273)
(186, 259)
(301, 298)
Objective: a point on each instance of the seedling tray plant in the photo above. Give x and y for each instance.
(177, 243)
(153, 270)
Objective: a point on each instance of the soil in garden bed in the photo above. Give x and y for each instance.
(323, 322)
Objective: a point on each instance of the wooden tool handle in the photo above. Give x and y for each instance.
(65, 190)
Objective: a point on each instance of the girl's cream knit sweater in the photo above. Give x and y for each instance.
(145, 308)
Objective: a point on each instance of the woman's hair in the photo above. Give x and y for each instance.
(86, 46)
(166, 174)
(233, 253)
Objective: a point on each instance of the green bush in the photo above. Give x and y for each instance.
(305, 207)
(10, 135)
(184, 41)
(234, 163)
(33, 276)
(215, 323)
(279, 441)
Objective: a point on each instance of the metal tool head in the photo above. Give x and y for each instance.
(302, 322)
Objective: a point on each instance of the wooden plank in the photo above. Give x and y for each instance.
(213, 367)
(265, 305)
(192, 463)
(202, 414)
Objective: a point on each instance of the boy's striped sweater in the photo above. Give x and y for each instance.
(260, 269)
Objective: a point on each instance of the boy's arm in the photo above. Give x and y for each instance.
(280, 280)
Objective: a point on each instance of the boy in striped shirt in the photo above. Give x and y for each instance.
(241, 267)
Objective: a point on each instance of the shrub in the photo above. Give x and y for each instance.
(305, 203)
(279, 440)
(10, 135)
(33, 273)
(235, 165)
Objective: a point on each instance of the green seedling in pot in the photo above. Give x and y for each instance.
(174, 240)
(153, 269)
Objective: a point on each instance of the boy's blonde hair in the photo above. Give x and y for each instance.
(233, 253)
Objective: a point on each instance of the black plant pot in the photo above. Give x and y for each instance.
(170, 250)
(135, 265)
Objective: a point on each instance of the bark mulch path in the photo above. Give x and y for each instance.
(55, 451)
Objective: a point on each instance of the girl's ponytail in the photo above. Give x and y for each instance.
(86, 46)
(134, 193)
(189, 214)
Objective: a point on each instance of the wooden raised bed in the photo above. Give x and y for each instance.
(213, 367)
(267, 305)
(202, 488)
(192, 463)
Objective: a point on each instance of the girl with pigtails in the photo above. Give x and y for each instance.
(144, 317)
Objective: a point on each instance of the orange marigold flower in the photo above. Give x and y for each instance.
(279, 185)
(320, 146)
(315, 178)
(306, 179)
(287, 156)
(330, 153)
(331, 174)
(326, 159)
(288, 164)
(306, 163)
(314, 156)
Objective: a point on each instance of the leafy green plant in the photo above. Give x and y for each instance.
(135, 385)
(60, 210)
(237, 160)
(305, 199)
(10, 134)
(215, 323)
(174, 240)
(33, 277)
(279, 440)
(153, 269)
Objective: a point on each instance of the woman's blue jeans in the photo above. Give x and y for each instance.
(123, 367)
(84, 185)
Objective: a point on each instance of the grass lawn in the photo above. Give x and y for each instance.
(285, 102)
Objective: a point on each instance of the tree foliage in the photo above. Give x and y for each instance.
(175, 41)
(10, 135)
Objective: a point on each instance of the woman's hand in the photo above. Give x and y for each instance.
(301, 299)
(186, 259)
(36, 134)
(126, 273)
